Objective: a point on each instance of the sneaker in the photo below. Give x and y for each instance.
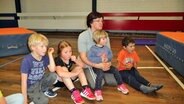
(31, 103)
(147, 89)
(157, 87)
(98, 95)
(123, 89)
(76, 97)
(87, 93)
(58, 86)
(50, 93)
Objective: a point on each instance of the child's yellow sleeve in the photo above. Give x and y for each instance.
(1, 95)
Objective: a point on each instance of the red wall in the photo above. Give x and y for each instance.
(147, 25)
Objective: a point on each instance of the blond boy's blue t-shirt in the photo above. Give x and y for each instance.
(33, 68)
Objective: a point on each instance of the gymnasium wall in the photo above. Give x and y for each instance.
(54, 14)
(142, 15)
(7, 6)
(102, 5)
(71, 14)
(140, 5)
(8, 13)
(56, 5)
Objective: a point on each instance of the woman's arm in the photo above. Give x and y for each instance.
(24, 86)
(84, 58)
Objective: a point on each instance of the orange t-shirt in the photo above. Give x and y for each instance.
(125, 57)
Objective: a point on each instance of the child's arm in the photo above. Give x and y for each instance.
(128, 65)
(24, 86)
(135, 65)
(51, 66)
(62, 73)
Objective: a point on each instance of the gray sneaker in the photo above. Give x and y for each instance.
(147, 89)
(158, 87)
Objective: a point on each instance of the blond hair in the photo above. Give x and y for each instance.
(97, 35)
(37, 38)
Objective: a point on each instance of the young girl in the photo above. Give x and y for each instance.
(100, 53)
(68, 68)
(127, 65)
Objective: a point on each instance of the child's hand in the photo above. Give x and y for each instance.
(73, 58)
(104, 57)
(129, 65)
(50, 50)
(106, 66)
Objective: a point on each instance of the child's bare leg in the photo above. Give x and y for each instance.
(86, 91)
(81, 76)
(67, 81)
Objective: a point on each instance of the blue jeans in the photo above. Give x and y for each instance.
(15, 99)
(133, 78)
(100, 76)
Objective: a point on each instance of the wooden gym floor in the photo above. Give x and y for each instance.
(171, 93)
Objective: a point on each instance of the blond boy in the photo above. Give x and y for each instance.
(34, 81)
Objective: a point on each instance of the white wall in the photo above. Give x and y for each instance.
(55, 14)
(7, 6)
(102, 5)
(71, 14)
(140, 5)
(56, 5)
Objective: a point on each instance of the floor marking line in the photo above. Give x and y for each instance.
(150, 67)
(170, 72)
(10, 62)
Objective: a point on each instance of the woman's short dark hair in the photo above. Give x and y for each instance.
(91, 16)
(126, 40)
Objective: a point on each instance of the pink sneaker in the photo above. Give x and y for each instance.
(98, 95)
(87, 93)
(76, 97)
(123, 89)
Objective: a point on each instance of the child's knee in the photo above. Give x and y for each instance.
(39, 98)
(52, 77)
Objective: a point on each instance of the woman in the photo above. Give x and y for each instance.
(85, 41)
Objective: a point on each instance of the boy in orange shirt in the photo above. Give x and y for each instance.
(127, 66)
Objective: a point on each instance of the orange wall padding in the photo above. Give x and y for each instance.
(15, 31)
(177, 36)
